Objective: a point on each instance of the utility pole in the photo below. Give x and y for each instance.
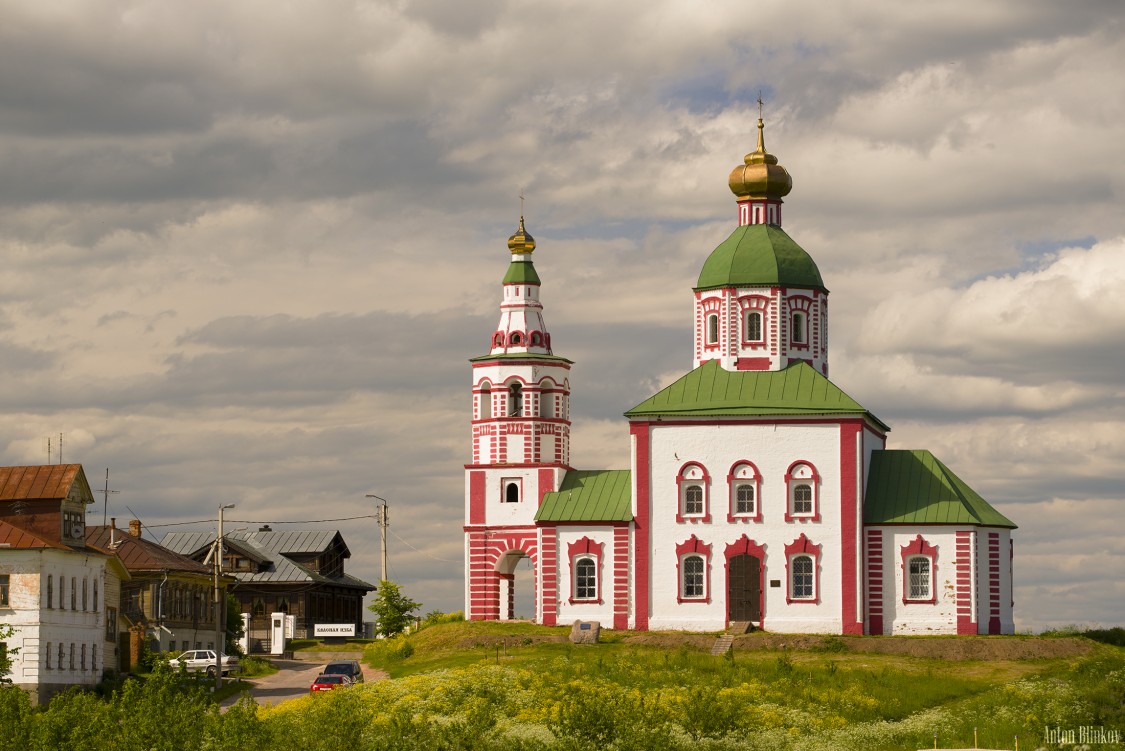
(220, 603)
(381, 520)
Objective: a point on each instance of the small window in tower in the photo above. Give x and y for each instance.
(515, 400)
(498, 339)
(512, 493)
(799, 328)
(712, 329)
(517, 339)
(486, 402)
(536, 339)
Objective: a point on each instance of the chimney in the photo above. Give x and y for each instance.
(112, 529)
(134, 527)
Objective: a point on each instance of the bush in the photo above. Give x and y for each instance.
(1114, 636)
(386, 651)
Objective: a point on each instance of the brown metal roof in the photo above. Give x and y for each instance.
(14, 538)
(48, 481)
(139, 554)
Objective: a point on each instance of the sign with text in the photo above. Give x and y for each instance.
(334, 629)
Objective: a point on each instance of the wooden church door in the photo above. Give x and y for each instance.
(744, 595)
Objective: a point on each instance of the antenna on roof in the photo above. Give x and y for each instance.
(105, 496)
(48, 449)
(60, 448)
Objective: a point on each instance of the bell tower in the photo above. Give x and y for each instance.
(520, 440)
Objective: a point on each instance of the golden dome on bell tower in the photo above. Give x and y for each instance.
(760, 176)
(521, 242)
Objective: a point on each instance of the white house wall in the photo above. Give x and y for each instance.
(609, 584)
(772, 449)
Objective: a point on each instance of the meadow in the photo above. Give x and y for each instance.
(519, 686)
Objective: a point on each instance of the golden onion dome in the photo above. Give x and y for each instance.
(521, 242)
(761, 176)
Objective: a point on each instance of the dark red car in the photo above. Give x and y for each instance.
(325, 682)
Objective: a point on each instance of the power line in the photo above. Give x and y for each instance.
(416, 550)
(262, 521)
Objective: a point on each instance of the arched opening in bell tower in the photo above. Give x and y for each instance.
(516, 570)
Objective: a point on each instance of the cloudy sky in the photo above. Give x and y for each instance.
(249, 246)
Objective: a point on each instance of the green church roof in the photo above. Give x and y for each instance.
(914, 487)
(590, 496)
(709, 390)
(521, 272)
(759, 254)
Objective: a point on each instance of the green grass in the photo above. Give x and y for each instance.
(316, 645)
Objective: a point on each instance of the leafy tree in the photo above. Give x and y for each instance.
(6, 632)
(235, 630)
(393, 608)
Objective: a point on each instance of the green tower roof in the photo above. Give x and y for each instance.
(759, 254)
(914, 487)
(521, 272)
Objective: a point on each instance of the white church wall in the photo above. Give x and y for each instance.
(570, 608)
(902, 616)
(773, 449)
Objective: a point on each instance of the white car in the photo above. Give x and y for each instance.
(203, 661)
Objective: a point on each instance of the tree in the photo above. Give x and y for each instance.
(393, 609)
(235, 629)
(6, 632)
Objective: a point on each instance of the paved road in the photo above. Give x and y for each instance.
(290, 681)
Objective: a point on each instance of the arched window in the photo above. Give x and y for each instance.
(486, 402)
(799, 334)
(517, 339)
(536, 339)
(498, 339)
(752, 326)
(801, 579)
(585, 579)
(712, 328)
(745, 502)
(693, 489)
(691, 577)
(515, 400)
(802, 482)
(547, 404)
(511, 492)
(745, 483)
(920, 583)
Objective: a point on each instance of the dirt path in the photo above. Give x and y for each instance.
(290, 681)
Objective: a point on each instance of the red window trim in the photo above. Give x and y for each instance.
(732, 501)
(759, 304)
(914, 549)
(802, 546)
(586, 548)
(693, 546)
(707, 307)
(705, 482)
(790, 480)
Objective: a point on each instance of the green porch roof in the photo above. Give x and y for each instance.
(913, 487)
(759, 254)
(604, 495)
(521, 272)
(710, 391)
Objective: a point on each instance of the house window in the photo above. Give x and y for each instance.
(49, 654)
(82, 661)
(50, 591)
(72, 651)
(62, 598)
(62, 655)
(919, 568)
(801, 577)
(745, 483)
(74, 593)
(585, 579)
(693, 483)
(258, 607)
(110, 624)
(283, 604)
(95, 607)
(691, 577)
(5, 593)
(85, 594)
(515, 400)
(752, 326)
(512, 489)
(802, 558)
(802, 482)
(712, 329)
(799, 335)
(94, 657)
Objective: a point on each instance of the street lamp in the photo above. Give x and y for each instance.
(220, 602)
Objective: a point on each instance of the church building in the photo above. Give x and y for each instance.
(759, 493)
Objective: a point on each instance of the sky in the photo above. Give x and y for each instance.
(248, 248)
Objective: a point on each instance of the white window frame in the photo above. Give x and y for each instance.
(793, 574)
(701, 574)
(592, 585)
(911, 593)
